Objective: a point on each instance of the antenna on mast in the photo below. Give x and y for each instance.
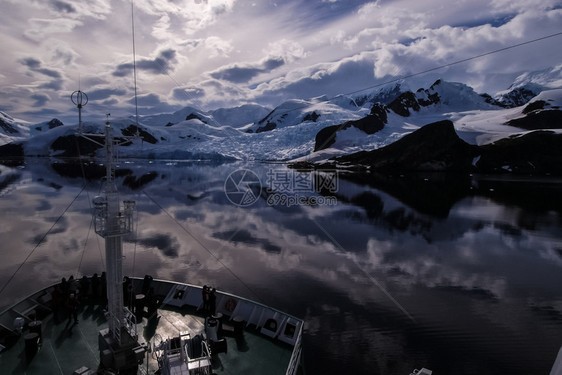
(80, 99)
(137, 135)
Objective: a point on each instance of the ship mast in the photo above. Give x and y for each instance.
(112, 222)
(118, 344)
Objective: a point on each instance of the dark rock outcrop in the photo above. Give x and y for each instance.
(514, 98)
(54, 123)
(11, 154)
(311, 117)
(193, 116)
(434, 147)
(539, 152)
(327, 136)
(534, 106)
(370, 124)
(437, 148)
(74, 146)
(7, 127)
(267, 127)
(11, 150)
(380, 112)
(551, 119)
(538, 115)
(407, 101)
(403, 103)
(132, 130)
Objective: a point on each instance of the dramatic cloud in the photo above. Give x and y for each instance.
(40, 99)
(40, 28)
(62, 6)
(213, 53)
(35, 66)
(162, 64)
(241, 73)
(102, 94)
(54, 85)
(151, 103)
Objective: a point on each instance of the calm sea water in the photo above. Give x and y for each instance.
(461, 275)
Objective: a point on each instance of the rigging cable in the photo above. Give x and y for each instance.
(384, 83)
(135, 235)
(454, 63)
(88, 197)
(90, 205)
(136, 117)
(367, 274)
(394, 80)
(41, 240)
(134, 63)
(85, 244)
(165, 70)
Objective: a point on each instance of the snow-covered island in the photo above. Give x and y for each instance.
(444, 127)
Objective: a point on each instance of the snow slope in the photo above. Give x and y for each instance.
(234, 133)
(11, 129)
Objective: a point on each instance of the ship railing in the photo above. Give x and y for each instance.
(188, 294)
(294, 362)
(117, 328)
(130, 323)
(117, 225)
(169, 355)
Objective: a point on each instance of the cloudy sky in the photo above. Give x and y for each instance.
(217, 53)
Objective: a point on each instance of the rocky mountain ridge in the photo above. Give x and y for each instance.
(314, 129)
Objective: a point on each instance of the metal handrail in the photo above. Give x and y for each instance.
(131, 323)
(296, 355)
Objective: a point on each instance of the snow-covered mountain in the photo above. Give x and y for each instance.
(528, 85)
(11, 129)
(318, 110)
(290, 131)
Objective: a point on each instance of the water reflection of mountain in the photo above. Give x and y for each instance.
(425, 201)
(430, 194)
(130, 175)
(435, 194)
(475, 261)
(7, 179)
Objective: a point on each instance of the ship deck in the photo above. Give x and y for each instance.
(67, 346)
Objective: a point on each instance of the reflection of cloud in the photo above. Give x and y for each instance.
(44, 205)
(480, 290)
(245, 237)
(8, 181)
(61, 226)
(477, 267)
(166, 243)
